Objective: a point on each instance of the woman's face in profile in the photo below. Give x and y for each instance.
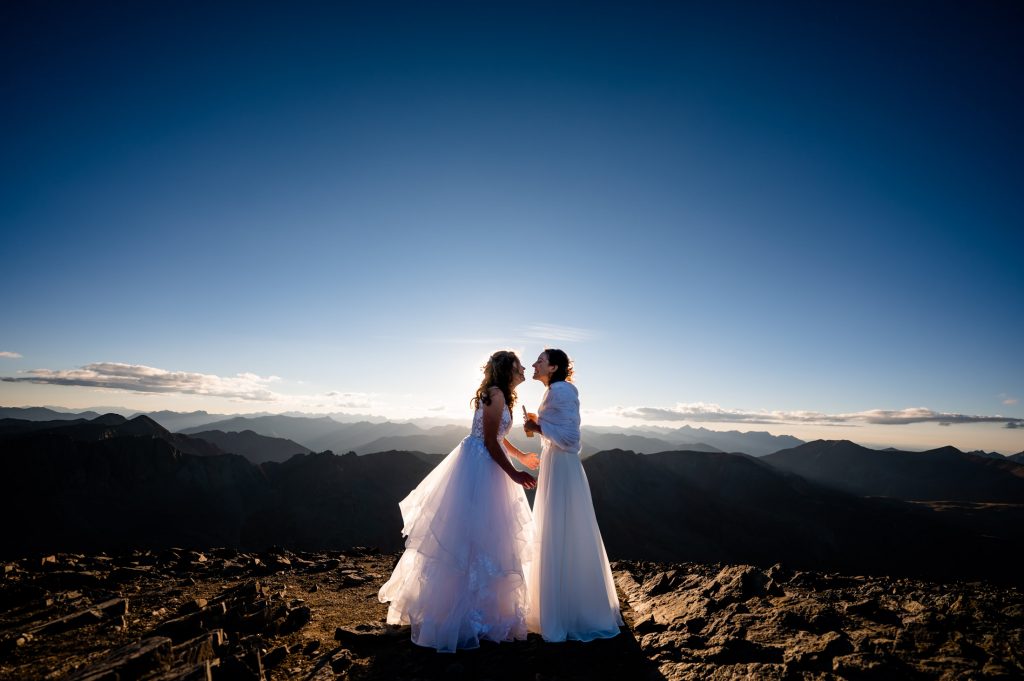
(542, 370)
(518, 373)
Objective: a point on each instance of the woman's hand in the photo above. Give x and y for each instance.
(530, 460)
(523, 478)
(530, 425)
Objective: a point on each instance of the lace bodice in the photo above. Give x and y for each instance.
(478, 424)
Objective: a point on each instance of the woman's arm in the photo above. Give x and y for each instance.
(528, 459)
(492, 423)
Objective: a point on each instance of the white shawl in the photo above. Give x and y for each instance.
(559, 417)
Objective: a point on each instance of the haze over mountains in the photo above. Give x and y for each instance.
(320, 433)
(294, 432)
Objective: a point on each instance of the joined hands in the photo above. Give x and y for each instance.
(523, 478)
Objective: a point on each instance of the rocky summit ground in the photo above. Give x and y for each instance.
(226, 614)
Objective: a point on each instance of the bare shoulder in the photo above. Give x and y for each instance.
(497, 397)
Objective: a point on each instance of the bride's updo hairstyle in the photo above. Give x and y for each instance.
(498, 373)
(562, 361)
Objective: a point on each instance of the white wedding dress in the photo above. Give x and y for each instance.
(469, 535)
(572, 595)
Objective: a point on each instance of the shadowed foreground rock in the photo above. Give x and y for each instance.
(737, 621)
(227, 614)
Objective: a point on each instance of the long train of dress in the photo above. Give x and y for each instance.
(469, 536)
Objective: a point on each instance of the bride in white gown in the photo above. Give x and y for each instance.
(571, 592)
(469, 532)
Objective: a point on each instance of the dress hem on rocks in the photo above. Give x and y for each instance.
(469, 534)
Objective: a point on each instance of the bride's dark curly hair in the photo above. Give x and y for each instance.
(498, 374)
(562, 361)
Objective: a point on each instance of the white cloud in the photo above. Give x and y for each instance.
(145, 379)
(9, 355)
(705, 412)
(554, 332)
(246, 386)
(1010, 401)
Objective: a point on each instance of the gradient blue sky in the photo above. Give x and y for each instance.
(774, 216)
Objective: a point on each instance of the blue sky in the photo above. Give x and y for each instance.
(787, 217)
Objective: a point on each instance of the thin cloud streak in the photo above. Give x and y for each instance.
(490, 342)
(554, 332)
(705, 412)
(146, 379)
(9, 355)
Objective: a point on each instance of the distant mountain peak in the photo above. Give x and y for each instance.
(948, 449)
(110, 420)
(834, 445)
(143, 418)
(144, 424)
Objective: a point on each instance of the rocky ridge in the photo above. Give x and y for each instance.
(713, 621)
(183, 614)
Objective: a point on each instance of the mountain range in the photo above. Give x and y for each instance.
(253, 446)
(709, 507)
(113, 483)
(945, 474)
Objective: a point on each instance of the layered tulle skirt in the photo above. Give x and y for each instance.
(571, 591)
(469, 539)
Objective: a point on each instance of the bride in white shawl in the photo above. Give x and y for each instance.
(569, 583)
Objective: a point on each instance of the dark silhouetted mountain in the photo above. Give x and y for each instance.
(253, 446)
(98, 486)
(323, 500)
(699, 506)
(987, 455)
(43, 414)
(938, 474)
(1018, 457)
(120, 491)
(16, 433)
(9, 427)
(145, 425)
